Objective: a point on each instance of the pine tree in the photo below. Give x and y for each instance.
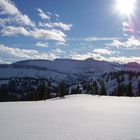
(123, 89)
(91, 89)
(122, 78)
(88, 88)
(130, 76)
(78, 91)
(47, 91)
(62, 89)
(103, 89)
(120, 90)
(139, 88)
(95, 88)
(4, 95)
(129, 90)
(43, 92)
(118, 80)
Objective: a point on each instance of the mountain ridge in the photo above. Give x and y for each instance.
(63, 69)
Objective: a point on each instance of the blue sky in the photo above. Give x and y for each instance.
(75, 29)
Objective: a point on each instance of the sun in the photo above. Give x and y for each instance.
(126, 7)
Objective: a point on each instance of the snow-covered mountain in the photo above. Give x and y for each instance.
(63, 69)
(41, 79)
(132, 66)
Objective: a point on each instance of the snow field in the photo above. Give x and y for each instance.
(77, 117)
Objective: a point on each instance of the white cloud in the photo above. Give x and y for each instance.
(127, 27)
(4, 21)
(120, 59)
(130, 42)
(58, 51)
(123, 59)
(24, 19)
(102, 51)
(4, 62)
(97, 54)
(10, 31)
(40, 44)
(16, 20)
(27, 54)
(78, 56)
(16, 52)
(84, 56)
(62, 25)
(36, 33)
(8, 8)
(91, 39)
(60, 43)
(56, 25)
(115, 43)
(48, 34)
(43, 15)
(1, 61)
(15, 23)
(46, 24)
(49, 13)
(57, 15)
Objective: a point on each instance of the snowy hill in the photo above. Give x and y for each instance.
(28, 80)
(77, 117)
(58, 70)
(62, 69)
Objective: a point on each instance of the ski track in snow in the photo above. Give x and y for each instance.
(77, 117)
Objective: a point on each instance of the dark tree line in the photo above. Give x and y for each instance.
(29, 89)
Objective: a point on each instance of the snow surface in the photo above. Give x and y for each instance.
(77, 117)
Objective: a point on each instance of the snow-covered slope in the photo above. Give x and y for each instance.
(77, 117)
(71, 66)
(45, 68)
(62, 69)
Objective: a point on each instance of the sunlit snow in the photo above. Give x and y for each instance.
(77, 117)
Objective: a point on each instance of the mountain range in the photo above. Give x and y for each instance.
(63, 69)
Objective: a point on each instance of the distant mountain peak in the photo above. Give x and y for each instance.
(90, 59)
(132, 64)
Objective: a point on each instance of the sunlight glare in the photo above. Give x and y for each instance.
(126, 7)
